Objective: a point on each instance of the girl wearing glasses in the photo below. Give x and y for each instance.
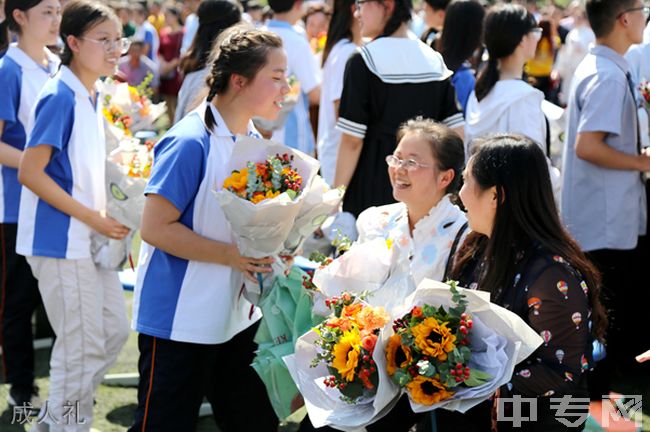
(502, 101)
(391, 79)
(62, 207)
(24, 69)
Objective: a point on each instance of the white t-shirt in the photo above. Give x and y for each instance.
(65, 119)
(332, 87)
(175, 298)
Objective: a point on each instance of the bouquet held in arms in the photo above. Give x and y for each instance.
(273, 200)
(451, 348)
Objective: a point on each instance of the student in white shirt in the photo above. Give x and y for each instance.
(343, 38)
(62, 206)
(146, 32)
(297, 131)
(191, 24)
(502, 101)
(196, 333)
(24, 69)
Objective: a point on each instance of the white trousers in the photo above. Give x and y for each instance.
(85, 306)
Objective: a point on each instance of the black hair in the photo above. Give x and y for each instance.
(462, 31)
(401, 14)
(239, 50)
(214, 17)
(176, 12)
(340, 25)
(281, 6)
(505, 26)
(526, 214)
(446, 146)
(602, 14)
(438, 4)
(79, 16)
(21, 5)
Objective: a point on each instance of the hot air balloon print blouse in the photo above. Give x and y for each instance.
(551, 296)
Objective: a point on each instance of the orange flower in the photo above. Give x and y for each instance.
(352, 310)
(340, 323)
(237, 180)
(427, 391)
(434, 338)
(258, 197)
(397, 355)
(372, 318)
(416, 312)
(368, 343)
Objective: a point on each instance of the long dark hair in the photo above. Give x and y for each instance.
(526, 214)
(462, 32)
(21, 5)
(214, 17)
(78, 17)
(340, 25)
(239, 50)
(505, 26)
(401, 14)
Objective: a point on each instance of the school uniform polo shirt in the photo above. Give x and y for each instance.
(602, 208)
(297, 132)
(67, 119)
(175, 298)
(21, 79)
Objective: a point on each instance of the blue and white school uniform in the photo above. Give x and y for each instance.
(297, 132)
(21, 79)
(175, 298)
(84, 303)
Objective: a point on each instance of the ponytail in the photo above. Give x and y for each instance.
(487, 79)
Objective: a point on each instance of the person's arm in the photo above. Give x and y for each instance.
(161, 228)
(9, 155)
(347, 159)
(591, 147)
(33, 176)
(314, 96)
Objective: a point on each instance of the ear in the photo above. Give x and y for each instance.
(446, 177)
(73, 43)
(19, 16)
(390, 7)
(495, 197)
(237, 82)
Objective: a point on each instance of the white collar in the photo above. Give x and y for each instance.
(220, 128)
(27, 63)
(72, 81)
(404, 60)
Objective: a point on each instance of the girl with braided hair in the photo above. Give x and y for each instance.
(196, 333)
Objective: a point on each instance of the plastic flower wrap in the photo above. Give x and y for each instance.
(347, 342)
(317, 44)
(262, 225)
(644, 89)
(340, 368)
(265, 180)
(130, 108)
(290, 101)
(429, 353)
(441, 327)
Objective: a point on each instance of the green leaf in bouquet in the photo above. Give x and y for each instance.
(426, 368)
(407, 338)
(292, 193)
(428, 310)
(466, 353)
(456, 357)
(477, 378)
(352, 391)
(401, 378)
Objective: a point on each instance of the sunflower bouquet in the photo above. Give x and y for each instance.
(347, 341)
(429, 355)
(265, 180)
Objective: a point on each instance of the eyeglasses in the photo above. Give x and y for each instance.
(645, 9)
(109, 45)
(358, 3)
(408, 164)
(537, 33)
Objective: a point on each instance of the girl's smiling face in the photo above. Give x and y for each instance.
(266, 91)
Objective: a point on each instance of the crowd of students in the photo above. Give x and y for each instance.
(433, 120)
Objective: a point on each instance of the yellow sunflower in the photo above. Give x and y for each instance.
(397, 355)
(346, 354)
(434, 338)
(237, 180)
(427, 391)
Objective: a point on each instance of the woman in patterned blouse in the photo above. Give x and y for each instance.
(531, 266)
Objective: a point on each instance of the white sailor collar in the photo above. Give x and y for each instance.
(404, 60)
